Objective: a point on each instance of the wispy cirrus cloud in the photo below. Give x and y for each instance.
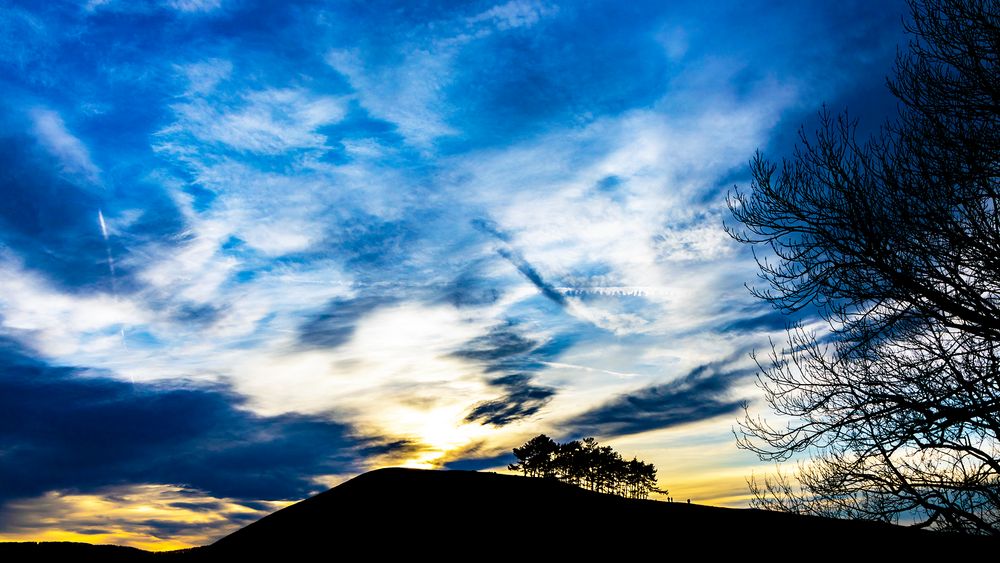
(73, 155)
(272, 121)
(412, 88)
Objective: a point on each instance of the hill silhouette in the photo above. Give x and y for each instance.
(468, 515)
(16, 552)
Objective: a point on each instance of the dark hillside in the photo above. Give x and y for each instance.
(465, 515)
(448, 513)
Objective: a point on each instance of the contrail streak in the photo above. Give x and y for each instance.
(104, 226)
(107, 249)
(111, 268)
(587, 368)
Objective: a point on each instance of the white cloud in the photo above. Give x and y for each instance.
(191, 269)
(131, 6)
(698, 240)
(273, 213)
(393, 347)
(92, 5)
(270, 121)
(59, 324)
(194, 5)
(72, 154)
(514, 14)
(204, 76)
(410, 95)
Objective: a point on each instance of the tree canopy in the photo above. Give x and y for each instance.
(588, 464)
(895, 242)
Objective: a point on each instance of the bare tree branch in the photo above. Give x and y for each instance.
(895, 242)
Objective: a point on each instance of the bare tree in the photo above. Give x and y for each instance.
(894, 408)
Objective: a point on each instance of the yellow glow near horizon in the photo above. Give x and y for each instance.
(122, 516)
(118, 536)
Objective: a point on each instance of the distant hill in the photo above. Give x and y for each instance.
(454, 515)
(16, 552)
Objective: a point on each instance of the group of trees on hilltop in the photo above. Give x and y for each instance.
(586, 463)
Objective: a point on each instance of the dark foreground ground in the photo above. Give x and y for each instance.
(469, 516)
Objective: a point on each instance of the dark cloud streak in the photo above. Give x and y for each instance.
(529, 271)
(701, 394)
(510, 254)
(522, 399)
(335, 325)
(504, 350)
(63, 429)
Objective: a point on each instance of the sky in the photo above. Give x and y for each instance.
(251, 249)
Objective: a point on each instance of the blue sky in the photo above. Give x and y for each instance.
(250, 249)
